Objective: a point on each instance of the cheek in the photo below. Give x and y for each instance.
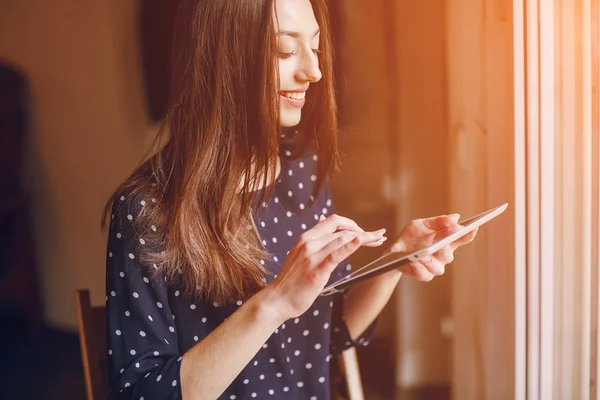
(286, 74)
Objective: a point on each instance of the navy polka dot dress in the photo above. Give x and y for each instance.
(152, 324)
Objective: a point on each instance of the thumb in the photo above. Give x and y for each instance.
(441, 222)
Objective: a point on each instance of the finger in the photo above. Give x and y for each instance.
(441, 234)
(325, 245)
(370, 239)
(332, 224)
(419, 271)
(468, 238)
(434, 267)
(445, 256)
(331, 256)
(365, 237)
(314, 246)
(441, 222)
(376, 243)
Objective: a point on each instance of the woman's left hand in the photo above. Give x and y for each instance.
(421, 233)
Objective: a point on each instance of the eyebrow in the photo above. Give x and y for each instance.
(295, 34)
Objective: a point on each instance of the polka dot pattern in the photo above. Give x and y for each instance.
(148, 342)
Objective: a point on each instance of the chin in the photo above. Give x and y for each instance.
(288, 120)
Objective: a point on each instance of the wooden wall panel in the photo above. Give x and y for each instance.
(480, 104)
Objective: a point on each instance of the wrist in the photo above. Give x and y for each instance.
(269, 308)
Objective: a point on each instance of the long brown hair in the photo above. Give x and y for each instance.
(222, 124)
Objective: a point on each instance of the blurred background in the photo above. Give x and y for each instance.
(84, 86)
(434, 121)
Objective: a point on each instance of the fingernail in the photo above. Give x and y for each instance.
(380, 232)
(321, 218)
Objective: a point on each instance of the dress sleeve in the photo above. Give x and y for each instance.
(340, 336)
(144, 356)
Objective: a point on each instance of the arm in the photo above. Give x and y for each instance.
(209, 367)
(364, 302)
(144, 357)
(356, 310)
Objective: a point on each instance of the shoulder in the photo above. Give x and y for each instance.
(131, 242)
(134, 196)
(126, 207)
(133, 216)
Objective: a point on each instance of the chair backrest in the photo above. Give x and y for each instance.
(91, 322)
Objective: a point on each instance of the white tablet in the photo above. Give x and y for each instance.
(392, 261)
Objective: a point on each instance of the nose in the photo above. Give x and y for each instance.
(309, 70)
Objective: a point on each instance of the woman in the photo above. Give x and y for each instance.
(220, 242)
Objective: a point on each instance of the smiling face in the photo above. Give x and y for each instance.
(298, 36)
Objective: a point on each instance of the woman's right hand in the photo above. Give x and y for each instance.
(313, 258)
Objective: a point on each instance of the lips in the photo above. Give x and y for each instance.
(294, 99)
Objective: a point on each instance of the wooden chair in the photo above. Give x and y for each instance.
(348, 362)
(350, 376)
(91, 323)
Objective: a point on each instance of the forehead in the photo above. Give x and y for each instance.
(295, 15)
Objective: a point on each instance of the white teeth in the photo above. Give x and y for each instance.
(294, 95)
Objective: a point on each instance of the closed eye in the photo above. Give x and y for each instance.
(285, 56)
